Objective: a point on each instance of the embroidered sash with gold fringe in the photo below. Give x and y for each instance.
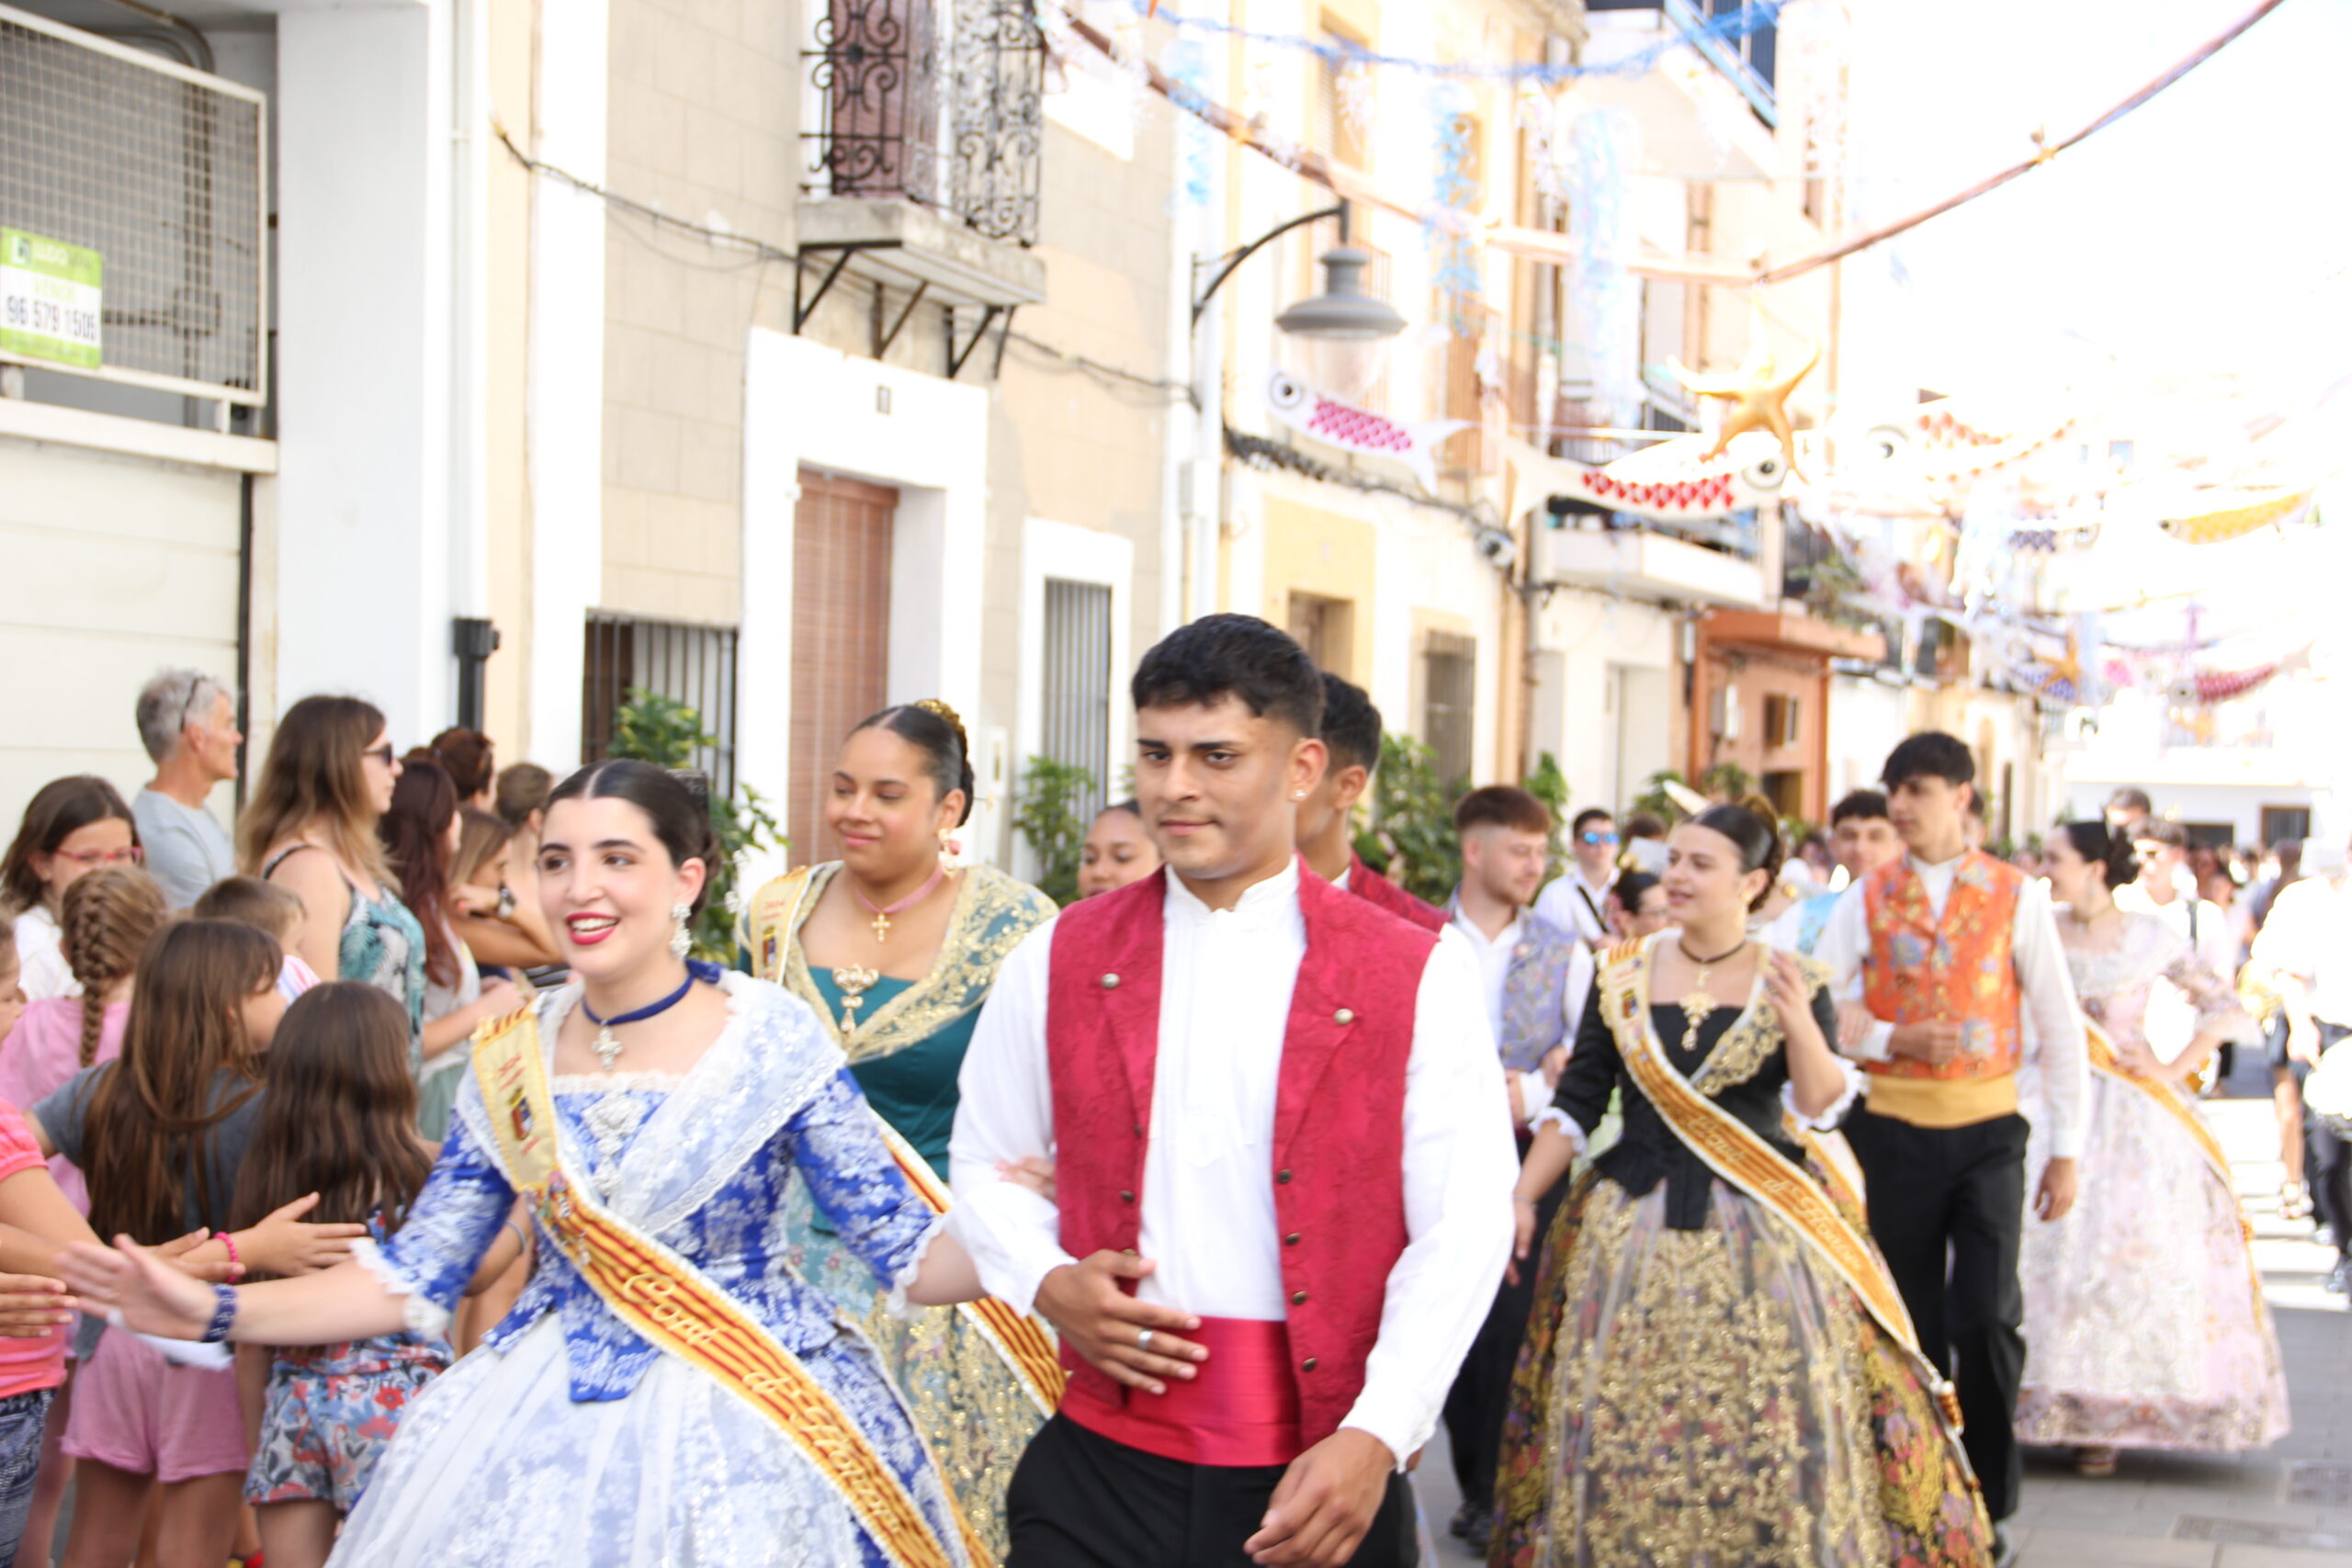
(1026, 1345)
(1734, 1152)
(680, 1311)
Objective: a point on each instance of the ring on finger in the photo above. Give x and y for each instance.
(1143, 1339)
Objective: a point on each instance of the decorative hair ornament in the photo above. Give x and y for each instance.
(934, 706)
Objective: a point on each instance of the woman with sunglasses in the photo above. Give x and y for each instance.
(311, 828)
(72, 828)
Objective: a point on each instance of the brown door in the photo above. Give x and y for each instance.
(840, 637)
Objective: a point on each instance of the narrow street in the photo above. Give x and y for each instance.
(2288, 1507)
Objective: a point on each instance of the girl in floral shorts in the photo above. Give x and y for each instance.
(338, 1118)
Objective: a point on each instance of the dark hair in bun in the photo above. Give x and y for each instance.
(2111, 852)
(681, 817)
(1751, 828)
(931, 727)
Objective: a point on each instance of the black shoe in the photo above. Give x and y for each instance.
(2005, 1552)
(1459, 1526)
(2339, 1279)
(1481, 1531)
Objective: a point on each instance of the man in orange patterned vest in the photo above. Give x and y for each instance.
(1950, 950)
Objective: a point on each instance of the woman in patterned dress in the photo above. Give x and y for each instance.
(686, 1101)
(1707, 1379)
(2144, 1322)
(895, 951)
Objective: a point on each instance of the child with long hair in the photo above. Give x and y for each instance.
(337, 1120)
(159, 1133)
(420, 834)
(106, 918)
(70, 826)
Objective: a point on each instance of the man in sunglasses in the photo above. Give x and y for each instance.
(1578, 901)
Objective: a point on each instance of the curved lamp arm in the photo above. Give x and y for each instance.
(1340, 211)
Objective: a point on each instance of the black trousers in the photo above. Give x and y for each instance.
(1947, 1207)
(1082, 1501)
(1480, 1397)
(2327, 1159)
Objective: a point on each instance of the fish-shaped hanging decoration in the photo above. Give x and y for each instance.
(2234, 513)
(2203, 686)
(1689, 490)
(1351, 429)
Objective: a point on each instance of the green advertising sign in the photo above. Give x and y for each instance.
(48, 300)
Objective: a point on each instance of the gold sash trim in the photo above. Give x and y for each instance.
(2106, 1059)
(682, 1312)
(1027, 1346)
(1735, 1153)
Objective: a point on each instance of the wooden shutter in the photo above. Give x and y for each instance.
(840, 637)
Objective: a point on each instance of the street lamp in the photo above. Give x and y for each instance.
(1345, 331)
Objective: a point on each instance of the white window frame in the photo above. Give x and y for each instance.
(1071, 554)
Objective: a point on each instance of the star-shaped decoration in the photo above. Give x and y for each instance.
(1758, 392)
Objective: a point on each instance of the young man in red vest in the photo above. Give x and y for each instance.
(1352, 749)
(1951, 951)
(1283, 1161)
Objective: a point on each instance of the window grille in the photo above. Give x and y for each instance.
(1450, 705)
(687, 663)
(1076, 701)
(158, 169)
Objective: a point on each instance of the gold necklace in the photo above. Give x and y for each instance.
(853, 981)
(1698, 1002)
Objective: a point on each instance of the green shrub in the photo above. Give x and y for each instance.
(1045, 815)
(668, 733)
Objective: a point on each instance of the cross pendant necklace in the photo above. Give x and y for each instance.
(882, 913)
(606, 1047)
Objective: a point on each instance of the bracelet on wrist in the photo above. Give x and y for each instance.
(236, 1259)
(224, 1314)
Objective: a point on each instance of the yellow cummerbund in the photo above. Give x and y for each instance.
(1942, 1103)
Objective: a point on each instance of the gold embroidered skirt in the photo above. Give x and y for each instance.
(970, 1406)
(1715, 1398)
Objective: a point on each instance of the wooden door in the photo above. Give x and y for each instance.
(840, 637)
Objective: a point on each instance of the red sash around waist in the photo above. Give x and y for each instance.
(1242, 1408)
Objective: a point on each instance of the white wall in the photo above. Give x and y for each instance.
(364, 364)
(805, 403)
(1073, 554)
(1587, 640)
(1867, 719)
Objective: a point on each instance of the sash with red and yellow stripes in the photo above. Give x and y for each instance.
(683, 1312)
(1734, 1152)
(1026, 1345)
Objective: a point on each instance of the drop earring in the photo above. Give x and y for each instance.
(680, 942)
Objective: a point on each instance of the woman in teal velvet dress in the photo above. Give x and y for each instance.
(896, 951)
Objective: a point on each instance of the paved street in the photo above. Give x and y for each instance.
(2288, 1506)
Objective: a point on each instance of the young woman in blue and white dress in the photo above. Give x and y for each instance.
(573, 1440)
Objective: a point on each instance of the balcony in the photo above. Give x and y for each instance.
(1643, 564)
(1697, 119)
(924, 153)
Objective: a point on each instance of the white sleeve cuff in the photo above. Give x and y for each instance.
(1836, 1112)
(1371, 1417)
(1013, 1256)
(895, 1303)
(1877, 1045)
(1553, 1116)
(419, 1312)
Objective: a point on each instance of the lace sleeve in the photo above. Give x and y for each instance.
(2218, 1012)
(429, 1260)
(851, 1175)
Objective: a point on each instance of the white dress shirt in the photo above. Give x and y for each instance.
(1494, 972)
(2172, 1021)
(1207, 1209)
(1577, 907)
(2051, 1027)
(2308, 934)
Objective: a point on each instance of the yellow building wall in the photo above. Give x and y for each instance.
(1309, 550)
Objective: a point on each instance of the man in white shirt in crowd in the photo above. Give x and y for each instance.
(2165, 888)
(1954, 952)
(1280, 1202)
(2306, 945)
(188, 721)
(1578, 901)
(1537, 978)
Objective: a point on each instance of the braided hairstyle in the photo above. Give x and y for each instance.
(105, 922)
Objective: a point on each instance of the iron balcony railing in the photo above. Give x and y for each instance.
(939, 102)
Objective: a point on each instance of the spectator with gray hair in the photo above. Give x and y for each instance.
(188, 721)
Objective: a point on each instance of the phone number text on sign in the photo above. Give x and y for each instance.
(49, 299)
